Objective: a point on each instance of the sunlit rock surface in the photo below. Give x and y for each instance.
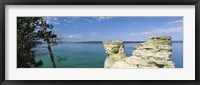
(155, 53)
(115, 52)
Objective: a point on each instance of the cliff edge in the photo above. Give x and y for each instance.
(155, 53)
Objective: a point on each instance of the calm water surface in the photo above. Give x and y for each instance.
(91, 55)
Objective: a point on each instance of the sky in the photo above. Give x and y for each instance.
(101, 28)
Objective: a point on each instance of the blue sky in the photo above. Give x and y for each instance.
(116, 28)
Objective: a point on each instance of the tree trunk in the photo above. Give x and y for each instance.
(51, 55)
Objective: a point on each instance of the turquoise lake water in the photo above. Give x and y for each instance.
(91, 55)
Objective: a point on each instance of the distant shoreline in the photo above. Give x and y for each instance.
(102, 42)
(123, 41)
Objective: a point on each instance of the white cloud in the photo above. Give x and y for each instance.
(48, 21)
(65, 20)
(52, 20)
(101, 18)
(176, 22)
(159, 31)
(88, 20)
(146, 33)
(55, 18)
(133, 34)
(74, 36)
(56, 23)
(170, 30)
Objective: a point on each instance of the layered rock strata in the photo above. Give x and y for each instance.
(155, 53)
(115, 52)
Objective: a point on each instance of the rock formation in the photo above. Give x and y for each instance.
(155, 53)
(115, 52)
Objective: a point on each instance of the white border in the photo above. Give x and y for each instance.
(188, 73)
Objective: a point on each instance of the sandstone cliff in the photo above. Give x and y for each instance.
(155, 53)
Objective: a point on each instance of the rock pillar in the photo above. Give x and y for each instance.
(115, 52)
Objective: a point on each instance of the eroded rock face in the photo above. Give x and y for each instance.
(155, 53)
(115, 52)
